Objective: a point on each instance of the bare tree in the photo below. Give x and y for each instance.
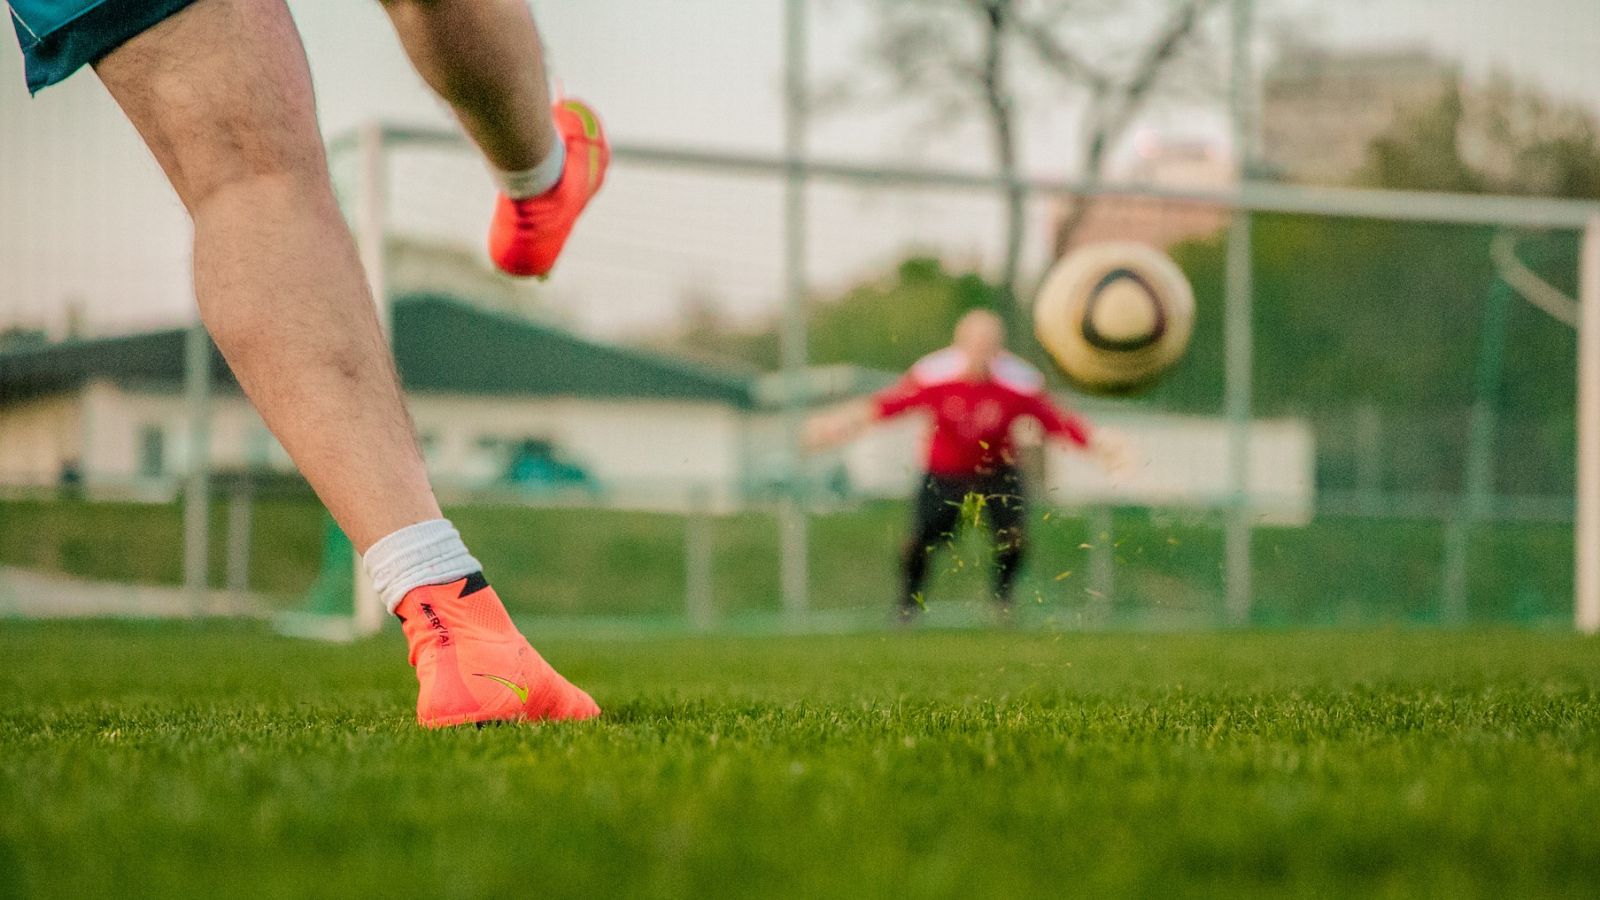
(995, 17)
(1115, 100)
(959, 58)
(955, 58)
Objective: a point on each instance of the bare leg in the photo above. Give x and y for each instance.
(222, 95)
(484, 59)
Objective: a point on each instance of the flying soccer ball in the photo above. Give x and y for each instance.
(1114, 316)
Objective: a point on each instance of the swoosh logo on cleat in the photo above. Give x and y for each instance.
(591, 125)
(519, 690)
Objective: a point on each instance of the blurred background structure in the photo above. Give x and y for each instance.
(1381, 207)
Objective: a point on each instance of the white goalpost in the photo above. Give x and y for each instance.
(1586, 526)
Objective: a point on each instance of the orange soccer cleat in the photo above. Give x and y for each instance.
(473, 664)
(527, 235)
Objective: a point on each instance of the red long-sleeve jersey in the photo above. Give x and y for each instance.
(972, 419)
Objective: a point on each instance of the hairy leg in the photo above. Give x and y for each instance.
(483, 57)
(222, 95)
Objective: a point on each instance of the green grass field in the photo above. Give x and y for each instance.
(218, 760)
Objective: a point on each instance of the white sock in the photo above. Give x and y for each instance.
(428, 552)
(535, 181)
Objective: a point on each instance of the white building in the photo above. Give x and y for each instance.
(501, 404)
(513, 410)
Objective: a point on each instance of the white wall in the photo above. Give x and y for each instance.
(114, 419)
(36, 438)
(645, 453)
(1182, 461)
(887, 460)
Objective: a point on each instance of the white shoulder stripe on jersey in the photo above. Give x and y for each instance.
(950, 364)
(1016, 374)
(939, 367)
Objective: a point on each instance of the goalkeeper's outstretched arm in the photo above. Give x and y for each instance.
(1108, 446)
(843, 424)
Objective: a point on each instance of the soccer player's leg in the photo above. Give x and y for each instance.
(1007, 509)
(483, 57)
(936, 513)
(221, 93)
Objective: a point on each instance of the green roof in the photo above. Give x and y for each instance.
(155, 356)
(441, 345)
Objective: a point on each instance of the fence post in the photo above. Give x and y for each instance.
(794, 558)
(1102, 561)
(1368, 432)
(240, 514)
(699, 561)
(197, 482)
(1238, 334)
(1477, 482)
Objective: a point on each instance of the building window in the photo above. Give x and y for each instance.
(428, 442)
(152, 451)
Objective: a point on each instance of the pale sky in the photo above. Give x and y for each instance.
(85, 216)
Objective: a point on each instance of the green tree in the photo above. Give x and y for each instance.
(1423, 152)
(1502, 138)
(890, 325)
(887, 323)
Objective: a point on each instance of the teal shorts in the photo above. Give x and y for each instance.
(59, 37)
